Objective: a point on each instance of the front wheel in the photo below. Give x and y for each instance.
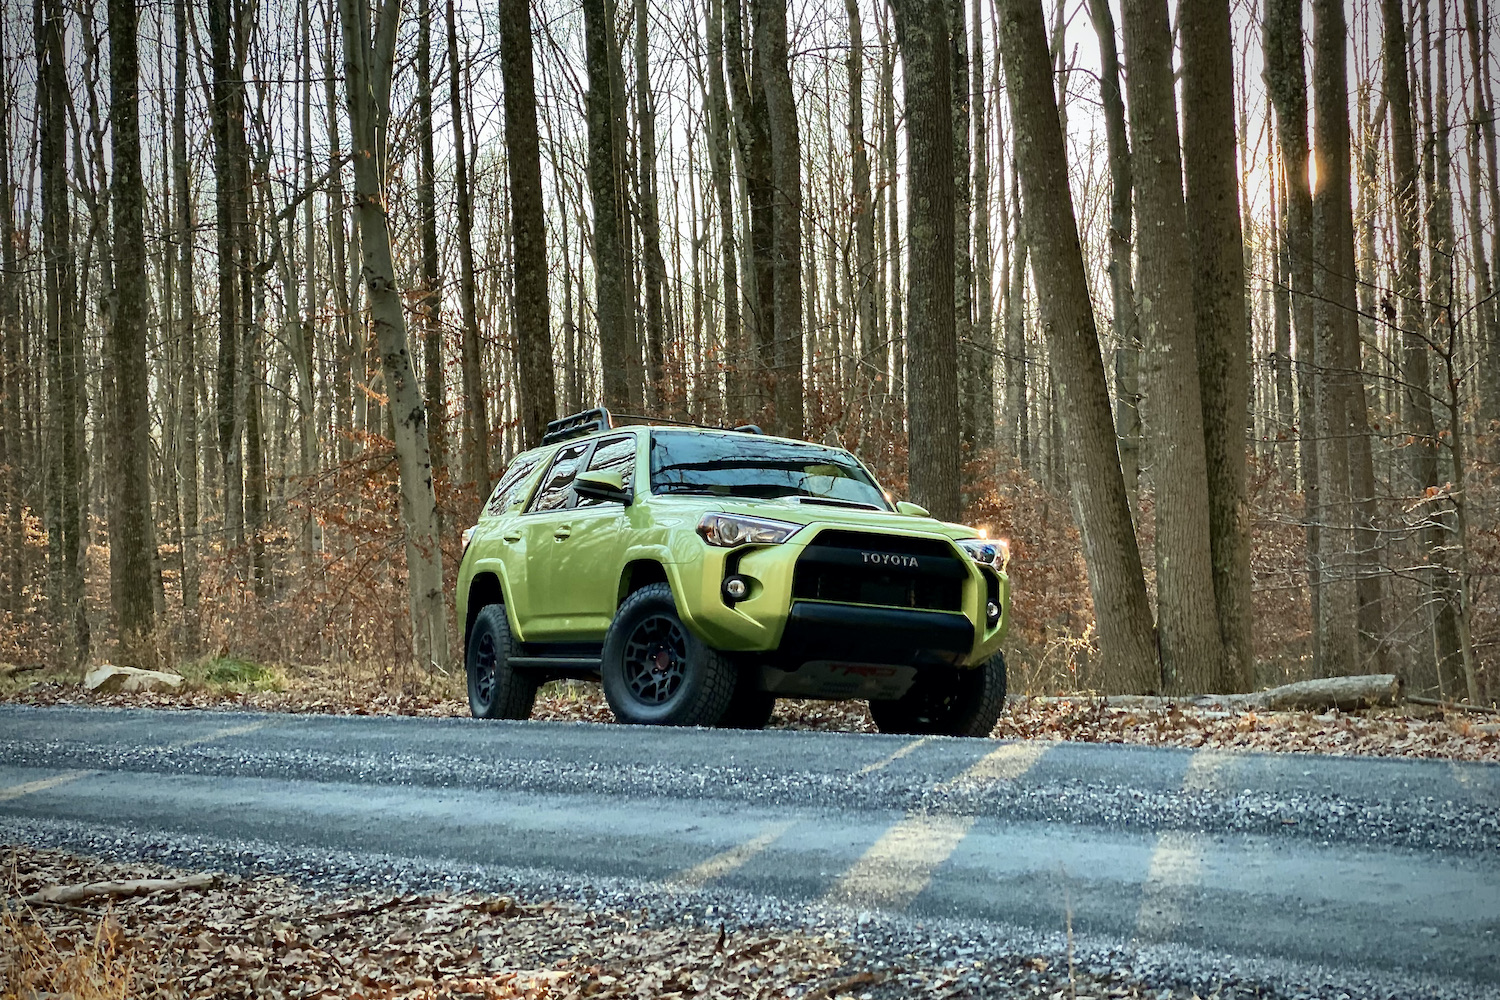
(947, 701)
(656, 671)
(496, 689)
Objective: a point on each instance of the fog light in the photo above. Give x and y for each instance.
(992, 614)
(736, 588)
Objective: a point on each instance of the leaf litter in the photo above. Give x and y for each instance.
(266, 936)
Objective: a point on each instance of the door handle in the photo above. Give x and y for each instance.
(512, 536)
(563, 531)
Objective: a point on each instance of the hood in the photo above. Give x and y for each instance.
(796, 511)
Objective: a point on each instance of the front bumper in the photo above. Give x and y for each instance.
(793, 630)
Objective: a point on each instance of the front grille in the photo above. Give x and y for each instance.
(893, 571)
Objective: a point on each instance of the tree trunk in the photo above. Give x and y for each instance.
(1416, 376)
(476, 398)
(653, 269)
(983, 337)
(1111, 556)
(12, 501)
(1336, 636)
(1121, 280)
(132, 529)
(963, 259)
(1437, 167)
(429, 298)
(1223, 337)
(369, 53)
(1191, 650)
(736, 403)
(933, 453)
(786, 215)
(1287, 83)
(537, 394)
(872, 352)
(188, 318)
(616, 338)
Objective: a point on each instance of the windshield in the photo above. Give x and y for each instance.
(744, 465)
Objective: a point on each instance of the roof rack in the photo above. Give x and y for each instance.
(638, 418)
(577, 425)
(600, 419)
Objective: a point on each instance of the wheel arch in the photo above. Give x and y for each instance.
(485, 588)
(641, 572)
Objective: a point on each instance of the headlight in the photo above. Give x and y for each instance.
(986, 551)
(729, 530)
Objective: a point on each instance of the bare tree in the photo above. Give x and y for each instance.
(1219, 314)
(932, 402)
(786, 177)
(1116, 579)
(538, 395)
(369, 52)
(1192, 652)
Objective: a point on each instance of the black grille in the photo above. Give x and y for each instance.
(893, 571)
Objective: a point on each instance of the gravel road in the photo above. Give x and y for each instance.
(1246, 874)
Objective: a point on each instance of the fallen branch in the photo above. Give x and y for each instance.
(1343, 693)
(1454, 705)
(12, 669)
(61, 894)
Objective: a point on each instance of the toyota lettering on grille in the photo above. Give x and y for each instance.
(889, 559)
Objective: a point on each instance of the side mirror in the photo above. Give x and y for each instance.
(913, 509)
(604, 486)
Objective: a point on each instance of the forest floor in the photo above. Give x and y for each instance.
(267, 936)
(1407, 730)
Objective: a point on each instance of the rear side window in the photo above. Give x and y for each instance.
(557, 484)
(510, 492)
(613, 454)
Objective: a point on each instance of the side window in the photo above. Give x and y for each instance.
(510, 492)
(557, 484)
(614, 454)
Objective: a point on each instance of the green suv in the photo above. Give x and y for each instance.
(702, 573)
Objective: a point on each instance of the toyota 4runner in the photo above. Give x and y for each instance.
(702, 573)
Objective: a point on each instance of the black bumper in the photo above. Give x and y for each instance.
(855, 634)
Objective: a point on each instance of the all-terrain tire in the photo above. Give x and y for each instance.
(951, 701)
(656, 671)
(749, 707)
(496, 689)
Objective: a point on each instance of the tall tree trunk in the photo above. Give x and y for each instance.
(1482, 136)
(735, 354)
(893, 225)
(429, 298)
(1121, 280)
(227, 107)
(369, 52)
(1223, 337)
(188, 318)
(66, 540)
(1416, 376)
(1111, 556)
(1333, 226)
(933, 454)
(872, 352)
(1286, 81)
(476, 398)
(983, 337)
(1437, 168)
(12, 501)
(616, 337)
(963, 258)
(1192, 652)
(533, 317)
(786, 217)
(132, 534)
(747, 89)
(654, 270)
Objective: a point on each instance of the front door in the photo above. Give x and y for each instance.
(574, 546)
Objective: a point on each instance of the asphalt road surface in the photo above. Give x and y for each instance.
(1276, 875)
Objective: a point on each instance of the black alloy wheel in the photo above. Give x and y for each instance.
(496, 689)
(656, 671)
